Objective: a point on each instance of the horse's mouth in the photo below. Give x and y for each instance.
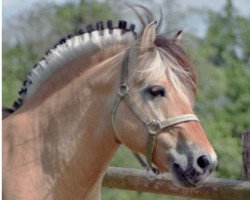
(182, 181)
(187, 178)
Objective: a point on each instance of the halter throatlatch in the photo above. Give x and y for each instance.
(153, 126)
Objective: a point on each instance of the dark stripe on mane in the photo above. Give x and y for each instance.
(6, 112)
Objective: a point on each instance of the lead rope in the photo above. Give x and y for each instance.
(154, 127)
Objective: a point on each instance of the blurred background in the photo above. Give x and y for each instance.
(216, 38)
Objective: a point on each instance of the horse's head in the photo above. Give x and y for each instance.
(153, 111)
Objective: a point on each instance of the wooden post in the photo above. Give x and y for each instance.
(246, 155)
(138, 180)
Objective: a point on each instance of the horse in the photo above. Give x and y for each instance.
(94, 91)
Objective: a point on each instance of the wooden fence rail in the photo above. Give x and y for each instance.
(214, 188)
(139, 180)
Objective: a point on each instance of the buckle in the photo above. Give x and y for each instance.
(154, 127)
(123, 89)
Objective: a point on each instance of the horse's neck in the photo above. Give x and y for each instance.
(82, 142)
(76, 141)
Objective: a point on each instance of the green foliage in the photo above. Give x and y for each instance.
(238, 108)
(221, 35)
(15, 62)
(244, 39)
(72, 17)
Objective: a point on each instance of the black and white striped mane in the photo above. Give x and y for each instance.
(69, 48)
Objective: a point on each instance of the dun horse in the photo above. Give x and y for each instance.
(92, 92)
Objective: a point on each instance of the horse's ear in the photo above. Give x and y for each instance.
(178, 36)
(148, 37)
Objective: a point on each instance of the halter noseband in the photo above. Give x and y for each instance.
(153, 126)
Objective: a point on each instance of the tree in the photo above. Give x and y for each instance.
(221, 35)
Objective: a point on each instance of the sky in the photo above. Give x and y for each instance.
(11, 8)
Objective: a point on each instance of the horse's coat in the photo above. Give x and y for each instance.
(58, 144)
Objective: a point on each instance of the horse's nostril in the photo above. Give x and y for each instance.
(177, 167)
(203, 162)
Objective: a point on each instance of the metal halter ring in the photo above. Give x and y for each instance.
(123, 89)
(154, 127)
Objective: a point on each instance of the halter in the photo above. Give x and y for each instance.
(153, 126)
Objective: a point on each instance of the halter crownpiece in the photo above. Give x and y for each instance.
(153, 126)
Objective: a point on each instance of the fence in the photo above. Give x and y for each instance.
(214, 188)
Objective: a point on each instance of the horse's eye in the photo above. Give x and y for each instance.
(156, 91)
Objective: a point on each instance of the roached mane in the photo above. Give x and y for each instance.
(72, 46)
(97, 38)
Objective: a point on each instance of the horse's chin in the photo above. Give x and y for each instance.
(186, 181)
(182, 181)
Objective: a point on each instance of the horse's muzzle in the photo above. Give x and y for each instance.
(193, 174)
